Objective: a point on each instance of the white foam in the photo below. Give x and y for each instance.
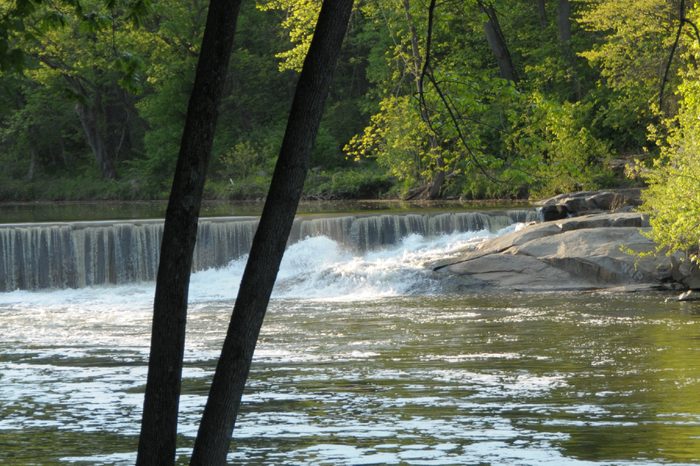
(315, 268)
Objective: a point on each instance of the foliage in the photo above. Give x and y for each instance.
(560, 152)
(299, 19)
(673, 195)
(451, 129)
(631, 55)
(359, 182)
(82, 53)
(395, 138)
(411, 135)
(170, 56)
(637, 39)
(242, 172)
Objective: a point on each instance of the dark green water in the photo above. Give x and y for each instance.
(108, 210)
(482, 379)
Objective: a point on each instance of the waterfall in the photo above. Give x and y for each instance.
(80, 254)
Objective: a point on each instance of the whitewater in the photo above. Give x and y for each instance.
(316, 268)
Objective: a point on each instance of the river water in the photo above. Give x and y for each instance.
(364, 358)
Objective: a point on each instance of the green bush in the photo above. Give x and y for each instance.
(354, 183)
(557, 150)
(673, 196)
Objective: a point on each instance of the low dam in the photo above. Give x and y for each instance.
(79, 254)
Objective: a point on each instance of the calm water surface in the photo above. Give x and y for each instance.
(28, 212)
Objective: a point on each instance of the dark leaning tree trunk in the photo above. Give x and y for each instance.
(159, 424)
(222, 406)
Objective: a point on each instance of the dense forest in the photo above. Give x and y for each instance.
(471, 99)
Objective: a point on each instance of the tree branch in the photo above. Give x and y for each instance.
(426, 72)
(681, 23)
(695, 28)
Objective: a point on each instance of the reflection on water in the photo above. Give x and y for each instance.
(492, 379)
(31, 212)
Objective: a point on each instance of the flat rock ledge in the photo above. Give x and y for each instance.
(588, 252)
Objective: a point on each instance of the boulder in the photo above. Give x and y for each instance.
(554, 212)
(686, 273)
(536, 231)
(588, 252)
(586, 202)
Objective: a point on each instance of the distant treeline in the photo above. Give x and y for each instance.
(473, 99)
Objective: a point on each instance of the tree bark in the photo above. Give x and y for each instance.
(564, 28)
(219, 418)
(435, 188)
(415, 49)
(32, 164)
(681, 22)
(157, 442)
(105, 114)
(497, 44)
(542, 12)
(90, 119)
(564, 21)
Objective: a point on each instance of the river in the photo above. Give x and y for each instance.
(364, 358)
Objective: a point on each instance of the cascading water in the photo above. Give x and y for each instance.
(80, 254)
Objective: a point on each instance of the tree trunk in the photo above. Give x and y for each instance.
(105, 115)
(564, 21)
(219, 418)
(564, 27)
(417, 59)
(119, 109)
(92, 120)
(497, 44)
(157, 442)
(435, 188)
(542, 13)
(32, 164)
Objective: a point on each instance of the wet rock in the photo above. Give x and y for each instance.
(513, 272)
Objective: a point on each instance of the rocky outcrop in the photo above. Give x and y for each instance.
(588, 202)
(581, 253)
